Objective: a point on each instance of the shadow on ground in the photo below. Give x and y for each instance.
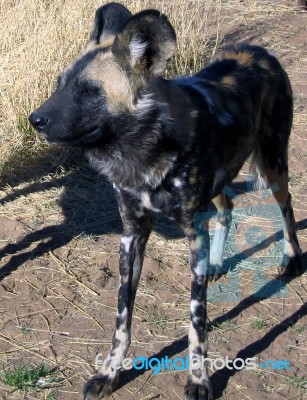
(89, 207)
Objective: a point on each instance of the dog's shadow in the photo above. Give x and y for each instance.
(89, 208)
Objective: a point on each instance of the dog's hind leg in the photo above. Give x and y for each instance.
(292, 258)
(137, 225)
(270, 160)
(224, 208)
(198, 386)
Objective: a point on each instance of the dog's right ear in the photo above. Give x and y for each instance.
(145, 44)
(109, 20)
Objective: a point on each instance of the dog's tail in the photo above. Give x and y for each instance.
(257, 170)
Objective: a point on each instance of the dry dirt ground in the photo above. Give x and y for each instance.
(59, 248)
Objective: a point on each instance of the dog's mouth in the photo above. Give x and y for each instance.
(88, 136)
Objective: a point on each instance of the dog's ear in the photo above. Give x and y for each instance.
(109, 21)
(146, 43)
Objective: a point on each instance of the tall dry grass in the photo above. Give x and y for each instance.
(39, 38)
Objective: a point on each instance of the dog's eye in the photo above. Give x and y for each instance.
(86, 91)
(89, 90)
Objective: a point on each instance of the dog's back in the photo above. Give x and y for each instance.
(248, 99)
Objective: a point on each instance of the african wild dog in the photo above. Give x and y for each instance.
(171, 146)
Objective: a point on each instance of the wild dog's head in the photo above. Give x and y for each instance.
(124, 53)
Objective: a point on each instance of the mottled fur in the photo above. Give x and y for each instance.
(171, 146)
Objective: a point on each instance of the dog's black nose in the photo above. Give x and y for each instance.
(38, 121)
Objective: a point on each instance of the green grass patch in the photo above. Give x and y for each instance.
(299, 328)
(259, 324)
(27, 378)
(300, 383)
(24, 328)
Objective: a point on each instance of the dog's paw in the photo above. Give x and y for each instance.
(98, 387)
(215, 277)
(194, 391)
(215, 272)
(291, 266)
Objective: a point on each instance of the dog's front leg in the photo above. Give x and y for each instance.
(198, 386)
(137, 227)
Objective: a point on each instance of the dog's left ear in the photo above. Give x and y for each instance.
(109, 20)
(146, 43)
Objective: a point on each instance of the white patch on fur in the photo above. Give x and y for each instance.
(177, 182)
(193, 306)
(126, 242)
(151, 178)
(218, 244)
(144, 103)
(122, 336)
(193, 338)
(155, 175)
(119, 352)
(201, 267)
(139, 213)
(146, 202)
(199, 376)
(261, 183)
(256, 167)
(115, 187)
(194, 342)
(124, 313)
(137, 49)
